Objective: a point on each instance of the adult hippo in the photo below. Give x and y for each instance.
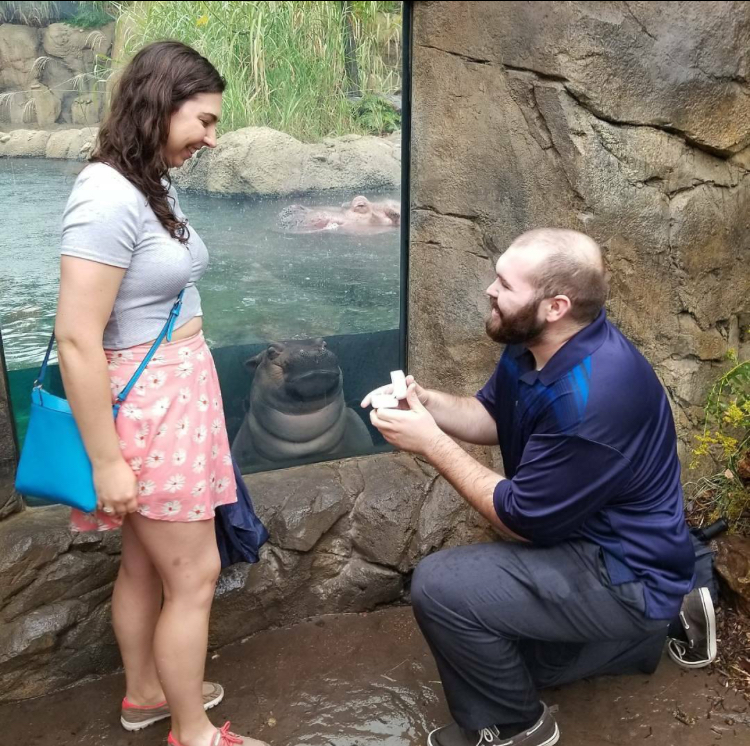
(297, 408)
(358, 216)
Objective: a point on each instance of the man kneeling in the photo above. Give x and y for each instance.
(602, 559)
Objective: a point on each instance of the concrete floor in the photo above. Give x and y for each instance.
(367, 679)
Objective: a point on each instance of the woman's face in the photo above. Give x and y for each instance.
(192, 127)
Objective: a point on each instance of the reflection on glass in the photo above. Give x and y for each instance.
(301, 299)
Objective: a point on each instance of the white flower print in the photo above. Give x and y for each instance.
(146, 488)
(222, 484)
(199, 436)
(116, 385)
(184, 369)
(136, 464)
(179, 457)
(123, 445)
(197, 513)
(214, 452)
(157, 359)
(200, 357)
(228, 459)
(161, 407)
(144, 509)
(185, 395)
(203, 377)
(181, 428)
(162, 431)
(155, 459)
(217, 404)
(200, 463)
(140, 440)
(132, 412)
(199, 488)
(175, 483)
(203, 403)
(118, 357)
(145, 428)
(212, 481)
(156, 379)
(140, 388)
(173, 507)
(184, 353)
(216, 427)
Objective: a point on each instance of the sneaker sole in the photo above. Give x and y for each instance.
(708, 608)
(553, 739)
(140, 726)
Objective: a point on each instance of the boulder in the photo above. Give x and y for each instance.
(47, 105)
(733, 565)
(260, 161)
(25, 144)
(19, 49)
(78, 48)
(74, 144)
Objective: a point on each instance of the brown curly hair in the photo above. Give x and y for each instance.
(156, 82)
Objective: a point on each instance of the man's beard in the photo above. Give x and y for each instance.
(522, 327)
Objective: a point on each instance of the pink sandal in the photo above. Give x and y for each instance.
(223, 737)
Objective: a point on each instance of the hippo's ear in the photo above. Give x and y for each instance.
(320, 342)
(274, 350)
(254, 362)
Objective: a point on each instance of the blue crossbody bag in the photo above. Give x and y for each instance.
(54, 465)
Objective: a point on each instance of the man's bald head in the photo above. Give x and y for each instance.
(565, 262)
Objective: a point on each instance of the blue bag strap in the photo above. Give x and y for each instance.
(165, 332)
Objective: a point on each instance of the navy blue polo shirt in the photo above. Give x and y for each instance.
(590, 451)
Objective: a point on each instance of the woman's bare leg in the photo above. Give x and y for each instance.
(187, 559)
(136, 605)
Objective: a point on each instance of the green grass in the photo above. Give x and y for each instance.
(284, 62)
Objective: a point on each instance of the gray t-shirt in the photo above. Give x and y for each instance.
(108, 220)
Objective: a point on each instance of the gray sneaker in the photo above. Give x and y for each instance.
(544, 733)
(699, 626)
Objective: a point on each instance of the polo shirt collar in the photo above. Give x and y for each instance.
(577, 348)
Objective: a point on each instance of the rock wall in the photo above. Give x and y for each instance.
(47, 74)
(628, 121)
(344, 536)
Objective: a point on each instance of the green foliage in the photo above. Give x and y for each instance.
(376, 116)
(725, 441)
(90, 15)
(284, 62)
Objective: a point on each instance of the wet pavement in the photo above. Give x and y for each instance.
(367, 679)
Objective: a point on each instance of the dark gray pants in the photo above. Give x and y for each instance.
(504, 620)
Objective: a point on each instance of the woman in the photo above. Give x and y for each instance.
(164, 465)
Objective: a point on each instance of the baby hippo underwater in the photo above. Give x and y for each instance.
(358, 216)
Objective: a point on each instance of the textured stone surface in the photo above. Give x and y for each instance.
(624, 120)
(733, 566)
(56, 65)
(260, 161)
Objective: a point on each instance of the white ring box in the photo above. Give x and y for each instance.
(390, 401)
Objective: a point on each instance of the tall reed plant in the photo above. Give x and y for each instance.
(284, 62)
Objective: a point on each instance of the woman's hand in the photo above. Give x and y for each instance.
(116, 488)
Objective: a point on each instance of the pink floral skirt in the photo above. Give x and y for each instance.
(172, 433)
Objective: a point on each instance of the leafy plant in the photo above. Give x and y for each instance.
(376, 115)
(725, 441)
